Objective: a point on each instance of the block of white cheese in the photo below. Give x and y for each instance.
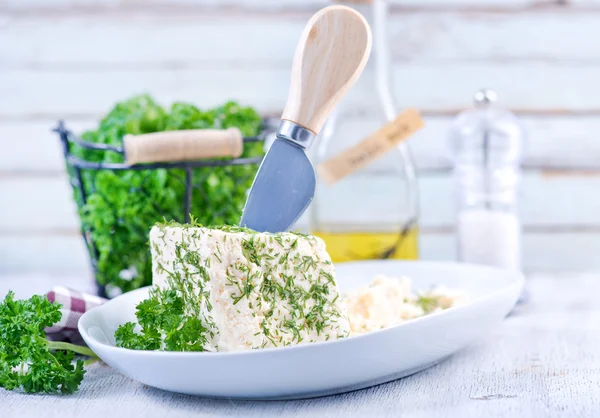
(250, 290)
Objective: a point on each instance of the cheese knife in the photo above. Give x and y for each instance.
(332, 52)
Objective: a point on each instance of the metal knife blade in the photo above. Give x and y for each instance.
(330, 56)
(282, 190)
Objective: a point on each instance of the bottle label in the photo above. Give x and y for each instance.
(371, 148)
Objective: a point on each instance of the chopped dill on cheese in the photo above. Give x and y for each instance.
(247, 289)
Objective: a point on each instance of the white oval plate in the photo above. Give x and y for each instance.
(323, 368)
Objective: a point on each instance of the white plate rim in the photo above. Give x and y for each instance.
(516, 285)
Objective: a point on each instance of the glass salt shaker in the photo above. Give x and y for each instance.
(486, 145)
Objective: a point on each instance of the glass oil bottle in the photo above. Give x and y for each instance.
(371, 213)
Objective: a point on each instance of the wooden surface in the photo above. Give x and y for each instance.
(189, 144)
(542, 361)
(74, 59)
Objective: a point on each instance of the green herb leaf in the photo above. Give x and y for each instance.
(163, 324)
(427, 302)
(122, 206)
(27, 359)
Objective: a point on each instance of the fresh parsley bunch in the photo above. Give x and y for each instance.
(27, 359)
(123, 205)
(164, 325)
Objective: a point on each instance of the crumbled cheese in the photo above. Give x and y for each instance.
(251, 290)
(389, 301)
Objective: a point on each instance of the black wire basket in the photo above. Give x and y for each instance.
(117, 243)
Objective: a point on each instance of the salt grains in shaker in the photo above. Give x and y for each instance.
(486, 147)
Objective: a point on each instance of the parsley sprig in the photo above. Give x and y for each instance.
(121, 206)
(27, 359)
(164, 325)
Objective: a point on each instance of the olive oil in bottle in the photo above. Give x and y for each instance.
(366, 202)
(348, 246)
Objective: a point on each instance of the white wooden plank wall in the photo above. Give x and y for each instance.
(73, 59)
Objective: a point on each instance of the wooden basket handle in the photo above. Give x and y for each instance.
(184, 145)
(332, 52)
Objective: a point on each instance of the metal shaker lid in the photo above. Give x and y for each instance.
(484, 98)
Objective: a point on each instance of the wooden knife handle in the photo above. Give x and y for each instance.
(332, 52)
(185, 145)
